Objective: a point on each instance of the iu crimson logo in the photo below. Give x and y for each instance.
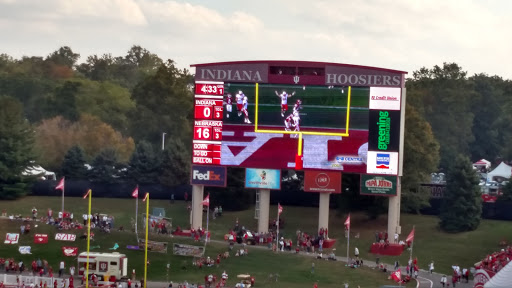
(322, 180)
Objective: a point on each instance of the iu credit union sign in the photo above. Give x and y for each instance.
(378, 185)
(322, 181)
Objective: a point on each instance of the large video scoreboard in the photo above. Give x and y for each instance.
(250, 114)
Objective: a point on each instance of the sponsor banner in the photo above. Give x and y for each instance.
(65, 237)
(347, 154)
(322, 181)
(11, 238)
(481, 277)
(154, 246)
(208, 175)
(40, 238)
(70, 251)
(382, 163)
(263, 179)
(384, 130)
(187, 250)
(384, 98)
(25, 250)
(378, 185)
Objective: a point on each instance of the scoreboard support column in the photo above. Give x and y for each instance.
(197, 206)
(323, 211)
(264, 210)
(394, 211)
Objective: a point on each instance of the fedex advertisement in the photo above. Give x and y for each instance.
(263, 179)
(208, 175)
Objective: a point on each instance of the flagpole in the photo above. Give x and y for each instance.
(207, 221)
(63, 187)
(348, 242)
(277, 225)
(146, 242)
(412, 244)
(88, 240)
(137, 213)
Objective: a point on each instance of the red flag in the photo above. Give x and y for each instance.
(60, 185)
(145, 197)
(87, 194)
(397, 276)
(135, 193)
(206, 201)
(410, 238)
(347, 222)
(279, 209)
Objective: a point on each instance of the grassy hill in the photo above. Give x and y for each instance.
(431, 244)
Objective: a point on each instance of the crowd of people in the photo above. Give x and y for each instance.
(496, 261)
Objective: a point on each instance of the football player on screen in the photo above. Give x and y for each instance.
(239, 102)
(244, 110)
(297, 106)
(229, 104)
(284, 100)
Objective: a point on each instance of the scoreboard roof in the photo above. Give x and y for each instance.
(297, 63)
(299, 73)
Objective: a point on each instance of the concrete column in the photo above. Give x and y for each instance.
(264, 210)
(323, 211)
(197, 207)
(394, 212)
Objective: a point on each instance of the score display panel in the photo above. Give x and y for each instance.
(251, 125)
(208, 115)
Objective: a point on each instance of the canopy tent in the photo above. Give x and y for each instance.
(502, 279)
(37, 170)
(503, 170)
(482, 162)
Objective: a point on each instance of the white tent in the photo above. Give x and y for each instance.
(37, 170)
(503, 170)
(502, 279)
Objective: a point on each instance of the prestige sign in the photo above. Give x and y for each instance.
(322, 181)
(378, 185)
(208, 175)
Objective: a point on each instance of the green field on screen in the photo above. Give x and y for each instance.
(322, 107)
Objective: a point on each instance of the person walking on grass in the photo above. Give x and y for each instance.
(431, 267)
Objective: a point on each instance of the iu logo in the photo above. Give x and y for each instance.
(296, 79)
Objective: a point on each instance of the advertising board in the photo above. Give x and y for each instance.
(187, 250)
(263, 179)
(340, 111)
(208, 175)
(378, 185)
(322, 181)
(12, 238)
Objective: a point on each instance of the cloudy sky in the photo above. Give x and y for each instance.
(396, 34)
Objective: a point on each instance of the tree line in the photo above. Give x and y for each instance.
(110, 112)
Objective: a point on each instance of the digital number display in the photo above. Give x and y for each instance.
(208, 121)
(210, 89)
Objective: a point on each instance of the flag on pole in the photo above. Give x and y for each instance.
(87, 194)
(135, 193)
(410, 238)
(206, 201)
(60, 185)
(279, 209)
(145, 197)
(397, 276)
(347, 222)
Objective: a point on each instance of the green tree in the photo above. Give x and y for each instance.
(144, 166)
(421, 157)
(462, 204)
(73, 164)
(64, 56)
(163, 104)
(175, 167)
(105, 167)
(16, 148)
(443, 96)
(65, 101)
